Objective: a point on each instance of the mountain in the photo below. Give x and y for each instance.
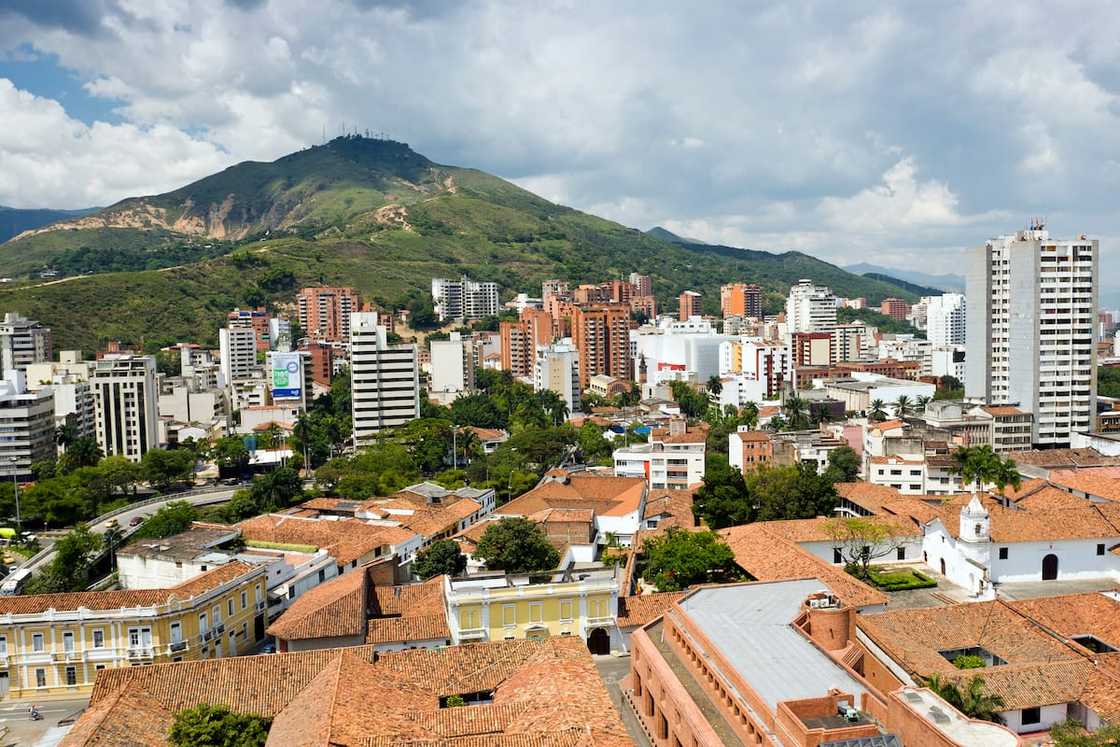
(665, 234)
(919, 290)
(14, 221)
(355, 211)
(953, 283)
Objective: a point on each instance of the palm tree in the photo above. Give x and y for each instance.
(877, 411)
(715, 386)
(977, 465)
(903, 406)
(976, 702)
(923, 402)
(794, 408)
(1005, 472)
(748, 414)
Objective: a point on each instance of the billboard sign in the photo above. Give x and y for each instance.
(287, 376)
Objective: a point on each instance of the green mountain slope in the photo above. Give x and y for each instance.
(14, 221)
(367, 213)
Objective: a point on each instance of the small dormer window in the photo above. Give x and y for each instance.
(979, 529)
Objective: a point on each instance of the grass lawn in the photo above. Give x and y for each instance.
(901, 579)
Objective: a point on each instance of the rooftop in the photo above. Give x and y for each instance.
(606, 495)
(186, 545)
(751, 624)
(346, 540)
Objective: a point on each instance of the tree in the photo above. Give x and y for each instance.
(861, 540)
(793, 491)
(796, 413)
(120, 474)
(229, 452)
(516, 545)
(972, 700)
(1072, 733)
(595, 448)
(978, 465)
(81, 452)
(69, 570)
(843, 465)
(903, 406)
(715, 386)
(679, 558)
(217, 726)
(479, 410)
(163, 468)
(440, 558)
(693, 403)
(877, 411)
(723, 500)
(1003, 474)
(171, 519)
(923, 402)
(57, 502)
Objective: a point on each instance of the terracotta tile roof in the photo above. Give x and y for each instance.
(570, 738)
(408, 629)
(336, 608)
(331, 504)
(1026, 487)
(694, 435)
(1001, 411)
(488, 434)
(1063, 458)
(30, 604)
(676, 504)
(867, 495)
(816, 530)
(1103, 482)
(1092, 614)
(888, 425)
(1029, 685)
(769, 557)
(345, 539)
(1049, 498)
(897, 460)
(410, 599)
(606, 495)
(434, 520)
(126, 717)
(749, 436)
(635, 611)
(1008, 525)
(248, 684)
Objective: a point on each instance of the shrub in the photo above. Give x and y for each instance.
(969, 661)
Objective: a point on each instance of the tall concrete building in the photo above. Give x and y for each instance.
(1031, 340)
(324, 312)
(601, 334)
(464, 299)
(741, 299)
(946, 319)
(557, 369)
(238, 349)
(453, 366)
(384, 379)
(255, 319)
(810, 308)
(688, 305)
(26, 426)
(23, 342)
(126, 404)
(643, 284)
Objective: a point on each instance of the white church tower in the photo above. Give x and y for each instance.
(975, 545)
(976, 522)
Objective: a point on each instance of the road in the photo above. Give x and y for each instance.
(23, 731)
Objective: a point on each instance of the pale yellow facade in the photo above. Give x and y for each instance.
(59, 652)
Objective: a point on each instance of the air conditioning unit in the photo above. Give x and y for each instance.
(207, 635)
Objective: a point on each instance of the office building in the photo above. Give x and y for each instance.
(688, 305)
(453, 368)
(810, 308)
(945, 319)
(1031, 340)
(324, 312)
(464, 299)
(601, 334)
(741, 299)
(238, 350)
(23, 342)
(26, 426)
(895, 308)
(125, 404)
(672, 458)
(557, 369)
(257, 320)
(384, 379)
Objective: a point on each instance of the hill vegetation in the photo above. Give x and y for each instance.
(368, 213)
(14, 221)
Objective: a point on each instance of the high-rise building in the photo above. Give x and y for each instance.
(895, 308)
(741, 299)
(601, 334)
(324, 313)
(26, 426)
(551, 288)
(852, 341)
(452, 367)
(23, 341)
(255, 319)
(945, 319)
(125, 404)
(280, 334)
(384, 379)
(238, 349)
(557, 369)
(643, 284)
(689, 305)
(517, 348)
(464, 299)
(810, 308)
(1031, 340)
(73, 401)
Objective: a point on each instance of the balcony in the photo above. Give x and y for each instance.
(140, 652)
(177, 646)
(600, 622)
(472, 634)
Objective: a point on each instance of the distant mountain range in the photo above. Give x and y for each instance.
(14, 221)
(953, 283)
(356, 211)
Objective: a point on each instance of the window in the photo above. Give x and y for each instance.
(139, 637)
(322, 574)
(99, 667)
(98, 638)
(1100, 549)
(901, 553)
(566, 609)
(203, 625)
(176, 632)
(217, 610)
(40, 678)
(468, 619)
(536, 612)
(71, 675)
(1031, 715)
(509, 614)
(244, 600)
(3, 645)
(1003, 553)
(229, 607)
(257, 593)
(37, 642)
(837, 556)
(68, 642)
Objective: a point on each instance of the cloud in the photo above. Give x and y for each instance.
(907, 131)
(47, 158)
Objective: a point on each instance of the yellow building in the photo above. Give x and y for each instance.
(54, 644)
(496, 606)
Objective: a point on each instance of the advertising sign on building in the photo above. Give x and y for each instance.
(287, 376)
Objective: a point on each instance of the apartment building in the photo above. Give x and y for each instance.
(464, 299)
(672, 458)
(55, 644)
(810, 308)
(324, 312)
(384, 379)
(688, 305)
(26, 426)
(601, 334)
(520, 340)
(1031, 336)
(946, 319)
(126, 404)
(895, 308)
(237, 347)
(23, 342)
(854, 341)
(452, 370)
(257, 320)
(749, 449)
(741, 299)
(643, 284)
(557, 370)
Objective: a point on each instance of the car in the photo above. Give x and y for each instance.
(136, 521)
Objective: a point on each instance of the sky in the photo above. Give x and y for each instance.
(897, 134)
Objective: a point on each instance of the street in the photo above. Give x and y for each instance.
(24, 732)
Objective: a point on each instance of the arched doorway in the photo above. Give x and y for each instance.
(943, 566)
(599, 641)
(1050, 567)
